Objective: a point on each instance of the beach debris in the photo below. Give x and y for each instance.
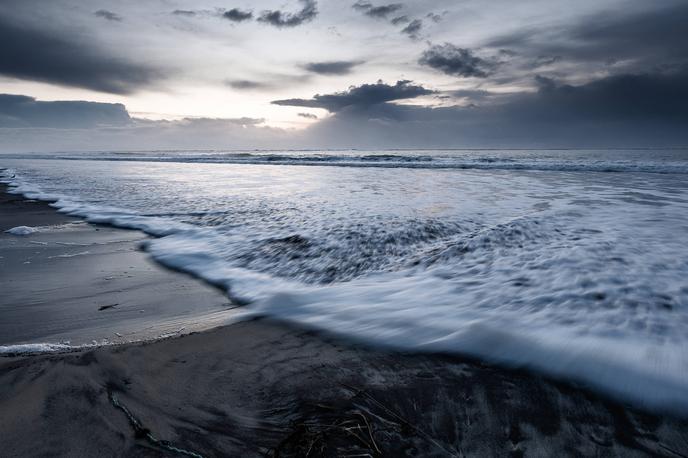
(312, 437)
(109, 306)
(396, 417)
(21, 230)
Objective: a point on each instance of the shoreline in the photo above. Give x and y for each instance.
(263, 387)
(71, 281)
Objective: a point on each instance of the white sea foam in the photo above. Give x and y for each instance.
(23, 349)
(70, 255)
(22, 230)
(578, 275)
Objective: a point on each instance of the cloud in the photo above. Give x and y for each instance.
(247, 84)
(109, 15)
(188, 13)
(624, 41)
(27, 124)
(400, 20)
(20, 111)
(636, 110)
(632, 110)
(413, 28)
(337, 67)
(23, 111)
(434, 17)
(456, 61)
(619, 98)
(201, 133)
(378, 12)
(281, 19)
(361, 5)
(358, 97)
(307, 115)
(237, 15)
(41, 55)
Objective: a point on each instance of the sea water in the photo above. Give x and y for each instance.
(574, 263)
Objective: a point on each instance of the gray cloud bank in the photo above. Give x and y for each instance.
(33, 53)
(649, 40)
(29, 125)
(627, 110)
(622, 110)
(23, 111)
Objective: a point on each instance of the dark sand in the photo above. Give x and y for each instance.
(263, 388)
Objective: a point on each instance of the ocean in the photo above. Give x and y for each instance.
(569, 262)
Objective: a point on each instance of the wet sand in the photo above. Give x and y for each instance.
(264, 388)
(77, 282)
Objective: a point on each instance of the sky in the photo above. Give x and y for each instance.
(166, 74)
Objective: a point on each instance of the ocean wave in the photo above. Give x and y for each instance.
(589, 292)
(469, 161)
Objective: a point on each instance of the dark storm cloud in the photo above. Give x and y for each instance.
(616, 98)
(41, 55)
(338, 67)
(307, 115)
(456, 61)
(237, 15)
(400, 20)
(23, 111)
(413, 28)
(653, 39)
(359, 97)
(109, 15)
(618, 111)
(281, 19)
(380, 12)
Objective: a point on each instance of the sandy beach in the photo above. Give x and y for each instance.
(75, 282)
(260, 387)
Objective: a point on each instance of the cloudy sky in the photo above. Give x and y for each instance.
(169, 74)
